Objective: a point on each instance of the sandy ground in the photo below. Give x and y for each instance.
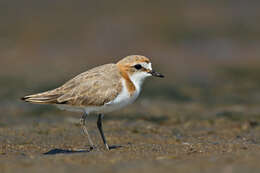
(149, 136)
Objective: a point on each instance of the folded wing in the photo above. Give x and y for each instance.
(95, 87)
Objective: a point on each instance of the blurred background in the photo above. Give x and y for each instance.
(212, 46)
(208, 51)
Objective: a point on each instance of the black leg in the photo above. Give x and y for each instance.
(99, 125)
(84, 128)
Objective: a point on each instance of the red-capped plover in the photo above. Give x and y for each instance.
(100, 90)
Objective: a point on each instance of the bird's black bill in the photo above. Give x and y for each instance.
(156, 74)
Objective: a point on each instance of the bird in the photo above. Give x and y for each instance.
(100, 90)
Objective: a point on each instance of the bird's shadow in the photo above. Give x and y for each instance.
(67, 151)
(115, 147)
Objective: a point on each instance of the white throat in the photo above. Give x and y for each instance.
(138, 79)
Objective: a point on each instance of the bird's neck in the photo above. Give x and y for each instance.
(131, 87)
(138, 79)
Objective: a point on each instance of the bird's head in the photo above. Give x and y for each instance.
(137, 67)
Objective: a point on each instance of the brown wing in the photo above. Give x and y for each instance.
(91, 88)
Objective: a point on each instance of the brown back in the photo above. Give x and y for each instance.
(95, 87)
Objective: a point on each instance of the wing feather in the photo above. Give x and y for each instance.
(95, 87)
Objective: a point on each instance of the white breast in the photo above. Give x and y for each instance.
(123, 99)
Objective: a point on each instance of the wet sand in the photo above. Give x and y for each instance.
(149, 136)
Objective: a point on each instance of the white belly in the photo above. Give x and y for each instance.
(123, 99)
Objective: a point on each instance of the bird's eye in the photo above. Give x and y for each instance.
(138, 66)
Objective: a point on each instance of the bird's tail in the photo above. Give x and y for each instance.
(42, 98)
